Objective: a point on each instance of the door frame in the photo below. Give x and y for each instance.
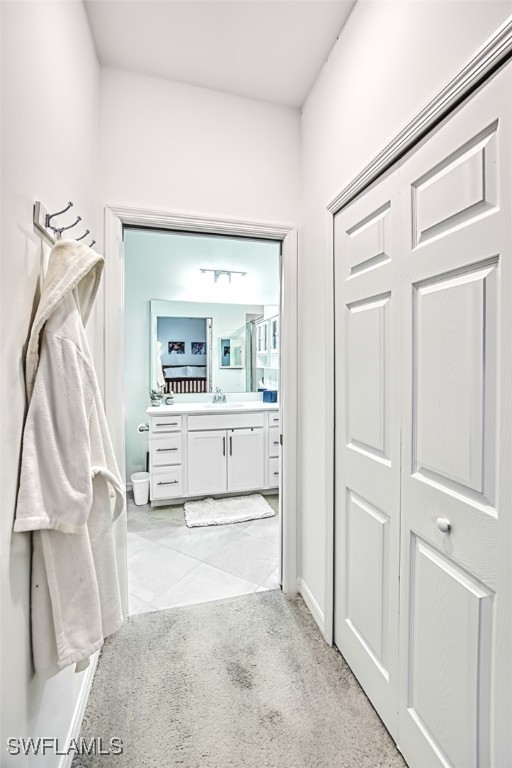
(116, 217)
(495, 52)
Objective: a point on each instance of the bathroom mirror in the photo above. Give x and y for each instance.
(199, 346)
(183, 353)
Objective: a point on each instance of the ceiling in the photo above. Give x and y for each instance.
(262, 49)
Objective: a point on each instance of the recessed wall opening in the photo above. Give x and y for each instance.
(202, 421)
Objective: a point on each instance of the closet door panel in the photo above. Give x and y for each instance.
(450, 665)
(456, 496)
(367, 582)
(462, 186)
(367, 358)
(455, 380)
(368, 243)
(367, 506)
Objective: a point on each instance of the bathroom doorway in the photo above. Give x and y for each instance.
(203, 312)
(238, 356)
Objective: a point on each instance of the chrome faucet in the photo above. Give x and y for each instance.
(219, 396)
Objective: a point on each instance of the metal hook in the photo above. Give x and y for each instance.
(87, 231)
(58, 231)
(91, 243)
(50, 216)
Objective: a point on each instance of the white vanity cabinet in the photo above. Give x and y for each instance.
(207, 462)
(166, 457)
(246, 459)
(197, 452)
(226, 460)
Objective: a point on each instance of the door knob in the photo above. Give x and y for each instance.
(444, 525)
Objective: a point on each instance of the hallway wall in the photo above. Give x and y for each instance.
(389, 61)
(49, 151)
(175, 147)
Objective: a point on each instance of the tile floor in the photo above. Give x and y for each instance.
(171, 565)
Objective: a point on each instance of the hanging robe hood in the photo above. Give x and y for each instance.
(73, 268)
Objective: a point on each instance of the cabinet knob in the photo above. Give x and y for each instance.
(444, 525)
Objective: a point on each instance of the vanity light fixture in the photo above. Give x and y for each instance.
(219, 272)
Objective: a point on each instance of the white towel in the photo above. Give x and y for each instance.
(160, 381)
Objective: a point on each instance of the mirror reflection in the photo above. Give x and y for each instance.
(200, 346)
(184, 346)
(231, 352)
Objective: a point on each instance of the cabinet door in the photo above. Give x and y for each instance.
(274, 334)
(207, 462)
(262, 337)
(246, 456)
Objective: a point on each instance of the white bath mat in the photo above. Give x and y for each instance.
(235, 509)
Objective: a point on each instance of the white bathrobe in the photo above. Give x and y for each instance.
(68, 472)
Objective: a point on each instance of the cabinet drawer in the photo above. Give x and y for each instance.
(226, 421)
(273, 441)
(273, 472)
(166, 482)
(167, 423)
(273, 419)
(166, 449)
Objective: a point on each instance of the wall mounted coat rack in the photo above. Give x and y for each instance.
(43, 223)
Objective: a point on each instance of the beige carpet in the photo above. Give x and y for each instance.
(241, 683)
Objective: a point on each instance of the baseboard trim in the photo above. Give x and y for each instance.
(81, 704)
(311, 603)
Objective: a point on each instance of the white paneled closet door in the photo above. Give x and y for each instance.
(456, 491)
(367, 533)
(423, 512)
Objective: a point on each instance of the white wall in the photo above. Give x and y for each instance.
(390, 60)
(50, 97)
(180, 148)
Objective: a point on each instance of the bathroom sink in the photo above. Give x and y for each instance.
(223, 405)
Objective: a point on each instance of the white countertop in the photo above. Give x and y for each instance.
(234, 407)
